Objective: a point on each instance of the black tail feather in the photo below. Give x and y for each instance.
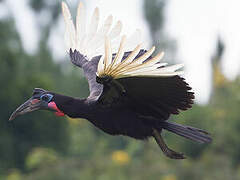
(188, 132)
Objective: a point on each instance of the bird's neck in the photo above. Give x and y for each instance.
(73, 107)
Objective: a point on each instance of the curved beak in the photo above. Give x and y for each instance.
(29, 106)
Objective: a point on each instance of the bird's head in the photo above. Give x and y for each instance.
(40, 99)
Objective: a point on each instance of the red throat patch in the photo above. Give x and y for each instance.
(53, 105)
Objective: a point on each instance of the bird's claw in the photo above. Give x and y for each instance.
(173, 154)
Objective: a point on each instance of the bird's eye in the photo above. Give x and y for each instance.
(46, 97)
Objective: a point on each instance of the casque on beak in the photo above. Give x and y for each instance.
(30, 105)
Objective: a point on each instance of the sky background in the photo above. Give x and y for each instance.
(195, 25)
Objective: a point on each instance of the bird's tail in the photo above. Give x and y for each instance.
(188, 132)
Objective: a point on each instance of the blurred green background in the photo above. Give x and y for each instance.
(41, 146)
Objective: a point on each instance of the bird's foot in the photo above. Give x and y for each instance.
(173, 154)
(166, 150)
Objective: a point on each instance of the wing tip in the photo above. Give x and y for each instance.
(96, 10)
(63, 4)
(80, 5)
(120, 24)
(93, 31)
(64, 9)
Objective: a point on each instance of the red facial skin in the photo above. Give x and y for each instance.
(53, 105)
(34, 101)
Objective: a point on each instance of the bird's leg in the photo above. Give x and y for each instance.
(167, 151)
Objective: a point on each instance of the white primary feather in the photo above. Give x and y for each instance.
(80, 24)
(89, 39)
(107, 25)
(143, 66)
(116, 30)
(133, 40)
(99, 38)
(108, 54)
(119, 54)
(101, 65)
(94, 24)
(143, 69)
(70, 35)
(132, 55)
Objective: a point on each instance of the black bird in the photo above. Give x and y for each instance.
(131, 92)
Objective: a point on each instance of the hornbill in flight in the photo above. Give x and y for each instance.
(132, 93)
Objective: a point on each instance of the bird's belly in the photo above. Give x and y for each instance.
(122, 122)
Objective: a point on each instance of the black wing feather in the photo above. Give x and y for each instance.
(165, 95)
(152, 96)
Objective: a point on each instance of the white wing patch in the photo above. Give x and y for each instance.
(89, 40)
(132, 66)
(95, 39)
(70, 32)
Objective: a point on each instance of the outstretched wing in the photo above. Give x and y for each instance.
(150, 87)
(88, 39)
(85, 43)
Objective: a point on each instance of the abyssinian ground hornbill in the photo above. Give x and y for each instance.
(132, 93)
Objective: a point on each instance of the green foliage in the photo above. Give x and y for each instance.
(39, 157)
(19, 74)
(14, 175)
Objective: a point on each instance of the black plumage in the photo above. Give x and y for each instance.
(131, 93)
(133, 106)
(134, 109)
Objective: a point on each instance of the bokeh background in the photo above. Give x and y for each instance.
(205, 35)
